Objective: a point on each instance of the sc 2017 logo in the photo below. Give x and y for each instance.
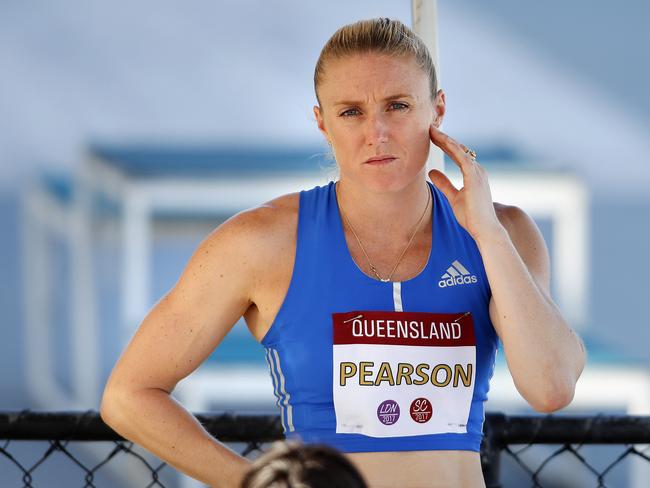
(421, 410)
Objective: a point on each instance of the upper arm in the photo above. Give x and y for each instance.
(529, 243)
(187, 323)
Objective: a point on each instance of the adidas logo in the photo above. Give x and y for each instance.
(456, 274)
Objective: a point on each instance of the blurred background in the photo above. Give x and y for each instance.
(129, 130)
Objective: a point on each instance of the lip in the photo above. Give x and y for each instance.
(383, 159)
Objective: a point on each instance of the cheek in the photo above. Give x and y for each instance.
(418, 138)
(346, 136)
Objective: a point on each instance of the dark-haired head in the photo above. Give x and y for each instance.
(294, 465)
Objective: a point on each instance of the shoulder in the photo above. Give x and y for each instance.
(527, 239)
(242, 250)
(272, 214)
(513, 218)
(261, 235)
(258, 228)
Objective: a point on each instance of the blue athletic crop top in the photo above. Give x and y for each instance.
(365, 365)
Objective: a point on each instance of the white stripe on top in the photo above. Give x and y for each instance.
(286, 396)
(397, 295)
(271, 362)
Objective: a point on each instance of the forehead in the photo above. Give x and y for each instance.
(371, 75)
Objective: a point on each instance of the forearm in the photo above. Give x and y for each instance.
(154, 420)
(544, 355)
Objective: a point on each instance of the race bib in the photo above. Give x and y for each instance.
(403, 373)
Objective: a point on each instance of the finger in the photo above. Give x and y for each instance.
(455, 150)
(446, 142)
(441, 181)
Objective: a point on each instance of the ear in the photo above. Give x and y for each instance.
(318, 113)
(438, 108)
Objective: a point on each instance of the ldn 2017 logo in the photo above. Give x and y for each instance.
(388, 412)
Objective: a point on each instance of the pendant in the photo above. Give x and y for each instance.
(385, 280)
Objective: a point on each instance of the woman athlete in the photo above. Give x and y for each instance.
(379, 298)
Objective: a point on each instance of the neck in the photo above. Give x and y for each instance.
(393, 213)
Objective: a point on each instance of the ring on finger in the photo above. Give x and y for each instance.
(471, 153)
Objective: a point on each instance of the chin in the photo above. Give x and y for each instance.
(385, 183)
(391, 181)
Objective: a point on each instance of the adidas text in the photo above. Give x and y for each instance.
(456, 274)
(458, 280)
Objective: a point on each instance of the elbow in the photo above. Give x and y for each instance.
(106, 408)
(554, 399)
(120, 408)
(109, 409)
(558, 391)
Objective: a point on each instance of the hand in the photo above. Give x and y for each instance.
(472, 204)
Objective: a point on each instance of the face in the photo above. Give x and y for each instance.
(377, 105)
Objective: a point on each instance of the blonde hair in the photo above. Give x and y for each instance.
(382, 36)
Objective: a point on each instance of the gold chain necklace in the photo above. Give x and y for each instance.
(399, 260)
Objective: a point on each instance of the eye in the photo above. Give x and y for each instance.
(399, 105)
(348, 113)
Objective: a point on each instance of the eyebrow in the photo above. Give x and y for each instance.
(390, 97)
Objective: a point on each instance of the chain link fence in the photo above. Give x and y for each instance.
(99, 457)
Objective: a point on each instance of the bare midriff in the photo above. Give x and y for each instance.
(420, 469)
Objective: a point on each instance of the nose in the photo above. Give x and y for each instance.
(377, 129)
